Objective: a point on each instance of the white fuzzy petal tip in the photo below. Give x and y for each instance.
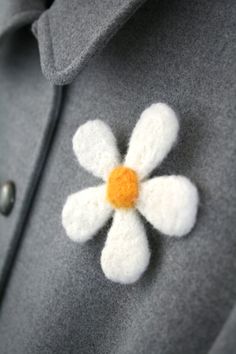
(85, 212)
(170, 204)
(95, 147)
(126, 253)
(152, 138)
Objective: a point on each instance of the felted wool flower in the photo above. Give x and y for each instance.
(169, 203)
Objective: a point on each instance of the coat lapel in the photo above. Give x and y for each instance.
(70, 32)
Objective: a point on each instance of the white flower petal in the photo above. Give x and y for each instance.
(152, 138)
(126, 253)
(95, 147)
(85, 212)
(169, 203)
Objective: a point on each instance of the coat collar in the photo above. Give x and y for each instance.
(71, 31)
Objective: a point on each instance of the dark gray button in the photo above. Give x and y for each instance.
(7, 197)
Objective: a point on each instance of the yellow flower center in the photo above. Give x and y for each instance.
(122, 187)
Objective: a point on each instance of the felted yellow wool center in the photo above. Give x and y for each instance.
(122, 187)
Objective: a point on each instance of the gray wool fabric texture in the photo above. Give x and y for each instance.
(226, 342)
(57, 299)
(17, 13)
(87, 25)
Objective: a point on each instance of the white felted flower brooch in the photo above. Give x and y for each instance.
(169, 203)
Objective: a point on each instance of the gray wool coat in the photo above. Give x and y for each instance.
(62, 63)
